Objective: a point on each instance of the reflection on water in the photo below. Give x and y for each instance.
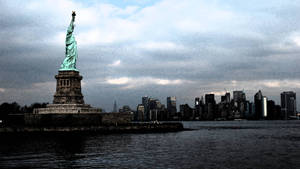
(228, 144)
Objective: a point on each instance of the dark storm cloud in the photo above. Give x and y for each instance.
(25, 55)
(20, 70)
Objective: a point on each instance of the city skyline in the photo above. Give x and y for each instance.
(129, 49)
(235, 108)
(218, 99)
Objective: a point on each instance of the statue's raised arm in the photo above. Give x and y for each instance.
(69, 62)
(73, 16)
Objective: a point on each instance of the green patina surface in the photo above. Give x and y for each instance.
(69, 62)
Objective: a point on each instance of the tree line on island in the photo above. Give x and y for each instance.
(15, 108)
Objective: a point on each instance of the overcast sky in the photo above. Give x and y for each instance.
(131, 48)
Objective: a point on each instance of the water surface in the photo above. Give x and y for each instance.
(228, 144)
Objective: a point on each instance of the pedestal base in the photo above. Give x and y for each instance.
(76, 119)
(68, 88)
(67, 109)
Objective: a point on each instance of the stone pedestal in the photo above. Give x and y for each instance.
(68, 98)
(68, 88)
(68, 108)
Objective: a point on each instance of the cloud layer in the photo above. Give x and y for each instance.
(158, 48)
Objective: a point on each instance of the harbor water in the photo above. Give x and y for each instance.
(215, 144)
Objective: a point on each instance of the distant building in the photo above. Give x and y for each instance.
(140, 112)
(273, 111)
(240, 105)
(199, 108)
(264, 107)
(163, 116)
(225, 98)
(248, 110)
(239, 96)
(258, 99)
(157, 110)
(152, 110)
(145, 103)
(125, 109)
(210, 106)
(115, 109)
(223, 108)
(154, 106)
(223, 111)
(186, 112)
(171, 107)
(288, 104)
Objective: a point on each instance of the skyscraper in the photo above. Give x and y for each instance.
(140, 112)
(210, 108)
(210, 98)
(239, 100)
(186, 112)
(171, 106)
(273, 110)
(264, 107)
(153, 109)
(258, 98)
(156, 110)
(115, 109)
(288, 104)
(145, 103)
(248, 110)
(225, 98)
(197, 108)
(224, 107)
(239, 96)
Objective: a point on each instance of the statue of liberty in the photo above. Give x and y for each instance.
(69, 62)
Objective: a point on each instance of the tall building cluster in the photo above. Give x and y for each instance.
(151, 109)
(206, 108)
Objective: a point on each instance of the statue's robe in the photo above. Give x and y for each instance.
(69, 62)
